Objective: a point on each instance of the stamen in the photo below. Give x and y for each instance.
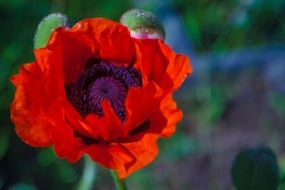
(107, 88)
(102, 81)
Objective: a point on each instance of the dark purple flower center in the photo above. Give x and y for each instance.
(102, 81)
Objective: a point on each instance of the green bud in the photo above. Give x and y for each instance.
(143, 24)
(46, 27)
(255, 169)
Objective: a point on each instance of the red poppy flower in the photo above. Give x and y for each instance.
(96, 90)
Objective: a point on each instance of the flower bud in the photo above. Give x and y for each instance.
(255, 169)
(46, 27)
(143, 24)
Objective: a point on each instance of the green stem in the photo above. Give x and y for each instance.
(88, 176)
(120, 184)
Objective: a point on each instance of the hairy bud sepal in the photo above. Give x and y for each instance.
(46, 27)
(143, 24)
(255, 169)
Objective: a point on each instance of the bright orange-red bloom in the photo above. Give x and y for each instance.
(121, 133)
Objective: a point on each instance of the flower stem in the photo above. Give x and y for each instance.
(120, 184)
(88, 176)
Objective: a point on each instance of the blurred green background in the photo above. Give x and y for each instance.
(234, 99)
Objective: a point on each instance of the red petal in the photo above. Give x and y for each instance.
(113, 156)
(150, 60)
(66, 55)
(29, 107)
(125, 158)
(115, 43)
(164, 120)
(67, 146)
(108, 127)
(144, 151)
(160, 64)
(141, 103)
(178, 68)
